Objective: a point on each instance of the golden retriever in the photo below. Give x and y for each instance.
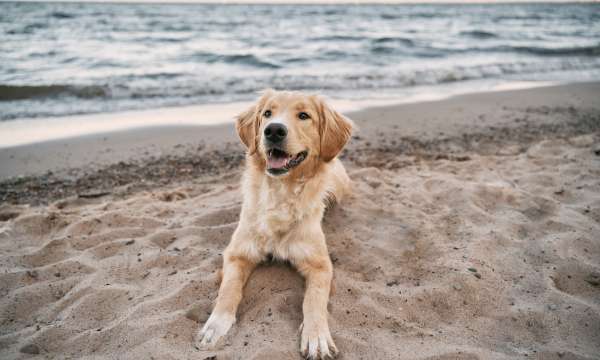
(292, 173)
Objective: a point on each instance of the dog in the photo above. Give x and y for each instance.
(292, 174)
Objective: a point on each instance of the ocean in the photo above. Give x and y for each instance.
(61, 59)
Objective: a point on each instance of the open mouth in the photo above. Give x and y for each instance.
(279, 162)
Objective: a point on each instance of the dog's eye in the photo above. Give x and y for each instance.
(303, 116)
(267, 113)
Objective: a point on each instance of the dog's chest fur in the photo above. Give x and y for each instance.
(281, 207)
(278, 210)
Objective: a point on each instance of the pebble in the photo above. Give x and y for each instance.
(195, 314)
(392, 283)
(374, 183)
(593, 279)
(30, 349)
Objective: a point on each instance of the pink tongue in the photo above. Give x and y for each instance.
(277, 162)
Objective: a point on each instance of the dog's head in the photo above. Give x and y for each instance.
(290, 130)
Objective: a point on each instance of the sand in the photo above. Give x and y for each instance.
(472, 233)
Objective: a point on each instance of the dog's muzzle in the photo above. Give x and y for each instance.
(280, 162)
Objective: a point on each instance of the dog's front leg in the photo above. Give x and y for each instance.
(316, 341)
(236, 270)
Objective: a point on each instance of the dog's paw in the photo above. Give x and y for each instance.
(316, 342)
(213, 330)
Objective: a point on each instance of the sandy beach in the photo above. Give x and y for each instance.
(472, 233)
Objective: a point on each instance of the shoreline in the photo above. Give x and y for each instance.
(19, 132)
(481, 123)
(126, 139)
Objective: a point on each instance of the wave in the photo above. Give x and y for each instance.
(248, 59)
(160, 39)
(24, 92)
(337, 38)
(479, 34)
(422, 52)
(184, 85)
(241, 59)
(401, 78)
(61, 15)
(535, 17)
(136, 92)
(388, 40)
(389, 47)
(27, 29)
(423, 15)
(587, 51)
(564, 51)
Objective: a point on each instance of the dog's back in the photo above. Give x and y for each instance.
(340, 183)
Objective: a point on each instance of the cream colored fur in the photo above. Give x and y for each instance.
(281, 215)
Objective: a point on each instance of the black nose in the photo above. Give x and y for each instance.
(275, 132)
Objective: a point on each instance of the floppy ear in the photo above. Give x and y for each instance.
(335, 130)
(248, 122)
(246, 126)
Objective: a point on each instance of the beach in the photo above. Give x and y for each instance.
(471, 233)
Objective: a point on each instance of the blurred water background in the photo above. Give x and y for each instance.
(72, 58)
